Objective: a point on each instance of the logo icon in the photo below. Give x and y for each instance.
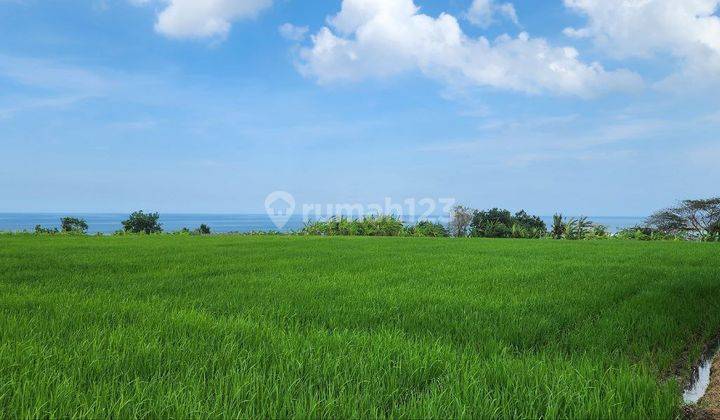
(280, 206)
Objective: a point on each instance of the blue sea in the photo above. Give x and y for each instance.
(219, 223)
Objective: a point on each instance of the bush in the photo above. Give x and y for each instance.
(73, 225)
(576, 229)
(500, 223)
(39, 230)
(139, 222)
(367, 226)
(203, 230)
(597, 232)
(647, 233)
(429, 229)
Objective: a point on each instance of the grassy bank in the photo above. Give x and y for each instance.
(306, 326)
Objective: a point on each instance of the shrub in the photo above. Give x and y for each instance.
(39, 230)
(500, 223)
(597, 232)
(203, 230)
(427, 228)
(73, 225)
(366, 226)
(647, 233)
(139, 222)
(576, 229)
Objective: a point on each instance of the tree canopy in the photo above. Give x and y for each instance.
(140, 222)
(699, 218)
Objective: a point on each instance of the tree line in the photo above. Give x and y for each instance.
(138, 222)
(688, 220)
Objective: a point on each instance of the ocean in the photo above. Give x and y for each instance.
(219, 223)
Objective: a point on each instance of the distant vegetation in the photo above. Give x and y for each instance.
(698, 219)
(372, 226)
(39, 230)
(139, 222)
(202, 230)
(73, 225)
(499, 223)
(689, 220)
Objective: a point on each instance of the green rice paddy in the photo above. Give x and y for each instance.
(233, 326)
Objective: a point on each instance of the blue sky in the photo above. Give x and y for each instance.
(580, 106)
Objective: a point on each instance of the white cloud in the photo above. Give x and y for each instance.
(686, 29)
(203, 18)
(381, 38)
(482, 12)
(292, 32)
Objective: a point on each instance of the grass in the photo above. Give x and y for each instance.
(236, 326)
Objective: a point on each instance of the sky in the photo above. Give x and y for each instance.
(586, 107)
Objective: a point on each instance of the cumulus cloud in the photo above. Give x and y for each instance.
(482, 12)
(686, 29)
(203, 18)
(382, 38)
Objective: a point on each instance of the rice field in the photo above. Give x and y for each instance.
(234, 326)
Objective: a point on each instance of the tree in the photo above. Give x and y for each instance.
(460, 223)
(203, 229)
(493, 223)
(427, 228)
(73, 224)
(500, 223)
(529, 222)
(698, 218)
(39, 230)
(139, 222)
(558, 227)
(576, 229)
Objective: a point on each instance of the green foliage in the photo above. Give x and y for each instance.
(203, 229)
(303, 327)
(699, 219)
(73, 225)
(529, 222)
(647, 233)
(372, 226)
(558, 227)
(366, 226)
(428, 229)
(139, 222)
(598, 232)
(500, 223)
(576, 229)
(39, 230)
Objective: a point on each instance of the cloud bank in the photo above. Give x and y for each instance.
(382, 38)
(688, 30)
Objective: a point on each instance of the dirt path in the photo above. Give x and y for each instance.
(709, 406)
